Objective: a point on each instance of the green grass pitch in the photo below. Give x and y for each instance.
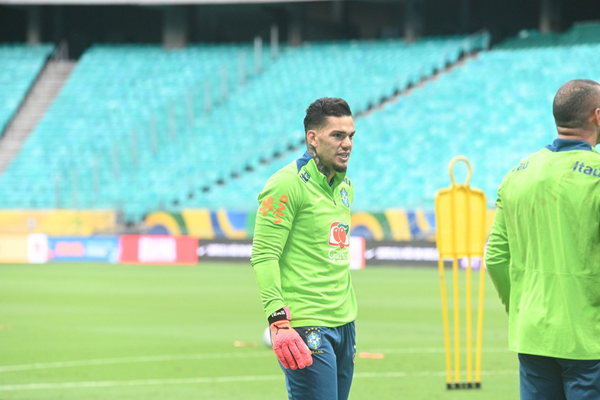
(98, 331)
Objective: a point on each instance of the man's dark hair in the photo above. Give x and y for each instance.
(320, 109)
(574, 102)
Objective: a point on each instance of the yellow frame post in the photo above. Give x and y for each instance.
(446, 324)
(479, 325)
(460, 215)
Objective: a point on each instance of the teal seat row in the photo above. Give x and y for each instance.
(130, 129)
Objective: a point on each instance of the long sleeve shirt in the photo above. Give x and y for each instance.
(543, 254)
(300, 251)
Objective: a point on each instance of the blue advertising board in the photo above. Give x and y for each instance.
(101, 249)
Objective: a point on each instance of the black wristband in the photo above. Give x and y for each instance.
(279, 315)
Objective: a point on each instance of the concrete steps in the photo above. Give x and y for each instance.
(34, 107)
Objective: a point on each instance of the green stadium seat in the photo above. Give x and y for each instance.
(115, 90)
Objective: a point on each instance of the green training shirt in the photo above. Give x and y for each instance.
(543, 253)
(300, 251)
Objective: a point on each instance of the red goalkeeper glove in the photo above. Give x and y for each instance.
(289, 347)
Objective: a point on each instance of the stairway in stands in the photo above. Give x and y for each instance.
(38, 101)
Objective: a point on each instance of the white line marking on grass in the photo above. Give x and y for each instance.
(205, 356)
(221, 379)
(138, 382)
(401, 374)
(127, 360)
(437, 350)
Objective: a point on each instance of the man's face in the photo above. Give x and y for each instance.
(333, 142)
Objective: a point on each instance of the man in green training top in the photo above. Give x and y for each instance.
(301, 258)
(543, 254)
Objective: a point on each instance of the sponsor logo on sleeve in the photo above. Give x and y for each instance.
(279, 213)
(267, 205)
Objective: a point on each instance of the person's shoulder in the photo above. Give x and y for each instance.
(285, 177)
(592, 155)
(285, 172)
(543, 152)
(524, 162)
(285, 185)
(547, 155)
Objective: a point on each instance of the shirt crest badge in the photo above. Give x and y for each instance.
(344, 195)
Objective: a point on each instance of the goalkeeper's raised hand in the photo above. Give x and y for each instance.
(289, 347)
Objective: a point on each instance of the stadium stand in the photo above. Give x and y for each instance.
(580, 33)
(495, 110)
(96, 148)
(361, 72)
(19, 67)
(80, 155)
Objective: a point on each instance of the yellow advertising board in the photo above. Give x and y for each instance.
(23, 249)
(57, 222)
(13, 249)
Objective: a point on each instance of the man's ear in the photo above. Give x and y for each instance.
(596, 121)
(311, 138)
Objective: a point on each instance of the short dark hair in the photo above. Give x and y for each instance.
(574, 102)
(320, 109)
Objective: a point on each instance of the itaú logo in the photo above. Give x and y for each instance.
(339, 234)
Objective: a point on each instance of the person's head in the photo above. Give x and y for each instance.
(576, 109)
(329, 130)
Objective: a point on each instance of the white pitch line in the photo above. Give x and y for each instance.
(401, 374)
(182, 357)
(221, 379)
(127, 360)
(138, 382)
(437, 350)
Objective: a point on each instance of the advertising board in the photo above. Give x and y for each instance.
(24, 249)
(158, 249)
(95, 249)
(413, 253)
(241, 250)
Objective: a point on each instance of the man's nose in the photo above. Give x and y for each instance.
(347, 143)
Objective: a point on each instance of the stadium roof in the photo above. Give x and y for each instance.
(144, 2)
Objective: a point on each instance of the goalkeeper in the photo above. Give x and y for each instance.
(301, 258)
(543, 254)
